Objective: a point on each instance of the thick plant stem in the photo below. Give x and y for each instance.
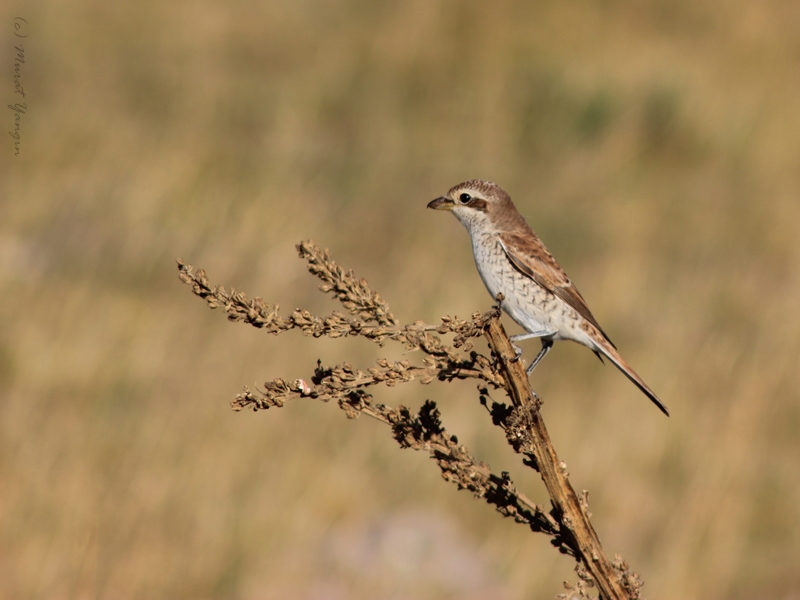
(570, 514)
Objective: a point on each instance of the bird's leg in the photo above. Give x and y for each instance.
(546, 345)
(525, 336)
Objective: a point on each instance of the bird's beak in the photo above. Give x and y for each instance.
(442, 203)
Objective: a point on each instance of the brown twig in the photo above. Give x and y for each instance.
(423, 431)
(354, 294)
(527, 434)
(416, 335)
(567, 523)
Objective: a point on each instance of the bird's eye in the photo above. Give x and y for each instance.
(465, 198)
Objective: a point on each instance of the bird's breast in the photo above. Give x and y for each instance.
(525, 301)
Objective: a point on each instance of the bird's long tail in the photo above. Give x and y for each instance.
(611, 353)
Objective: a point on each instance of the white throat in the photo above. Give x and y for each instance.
(476, 221)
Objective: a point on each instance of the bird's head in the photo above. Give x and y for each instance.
(478, 204)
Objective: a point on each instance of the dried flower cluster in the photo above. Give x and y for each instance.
(567, 523)
(354, 294)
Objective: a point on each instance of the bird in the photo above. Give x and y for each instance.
(538, 295)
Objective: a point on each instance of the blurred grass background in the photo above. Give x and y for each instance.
(654, 146)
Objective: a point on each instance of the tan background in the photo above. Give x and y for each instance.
(655, 146)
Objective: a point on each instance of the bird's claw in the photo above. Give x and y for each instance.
(517, 352)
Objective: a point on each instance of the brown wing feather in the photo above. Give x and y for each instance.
(530, 257)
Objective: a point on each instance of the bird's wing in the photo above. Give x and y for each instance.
(531, 258)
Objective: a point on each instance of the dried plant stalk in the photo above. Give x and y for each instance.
(567, 523)
(527, 434)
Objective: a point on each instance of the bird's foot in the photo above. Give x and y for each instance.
(517, 352)
(499, 299)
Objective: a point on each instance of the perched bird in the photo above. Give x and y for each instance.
(512, 260)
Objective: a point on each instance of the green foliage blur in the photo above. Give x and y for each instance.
(654, 146)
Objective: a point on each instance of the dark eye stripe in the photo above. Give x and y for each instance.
(479, 204)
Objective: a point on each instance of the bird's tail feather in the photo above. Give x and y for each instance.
(620, 363)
